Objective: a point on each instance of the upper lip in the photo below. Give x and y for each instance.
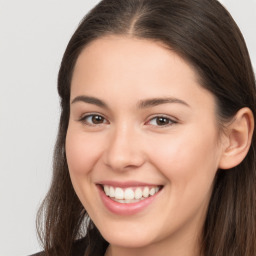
(125, 184)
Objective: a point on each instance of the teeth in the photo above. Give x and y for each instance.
(106, 190)
(111, 192)
(146, 192)
(130, 195)
(125, 201)
(152, 191)
(138, 193)
(119, 193)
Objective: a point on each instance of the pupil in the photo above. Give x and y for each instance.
(162, 121)
(97, 119)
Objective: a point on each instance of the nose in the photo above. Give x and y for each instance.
(124, 150)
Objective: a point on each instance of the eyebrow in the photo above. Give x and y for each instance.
(141, 104)
(158, 101)
(90, 100)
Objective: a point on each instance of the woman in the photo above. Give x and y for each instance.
(156, 147)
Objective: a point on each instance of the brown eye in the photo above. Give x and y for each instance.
(97, 119)
(161, 121)
(93, 119)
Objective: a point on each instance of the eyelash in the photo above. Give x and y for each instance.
(163, 117)
(159, 117)
(84, 119)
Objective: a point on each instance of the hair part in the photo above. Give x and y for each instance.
(204, 34)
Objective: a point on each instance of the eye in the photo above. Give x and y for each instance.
(93, 119)
(161, 121)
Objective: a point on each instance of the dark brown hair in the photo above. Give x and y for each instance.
(204, 34)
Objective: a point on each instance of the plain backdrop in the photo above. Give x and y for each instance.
(33, 37)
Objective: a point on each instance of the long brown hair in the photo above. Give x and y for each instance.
(204, 34)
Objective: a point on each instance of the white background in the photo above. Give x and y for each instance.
(33, 37)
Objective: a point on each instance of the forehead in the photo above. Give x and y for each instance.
(125, 66)
(146, 54)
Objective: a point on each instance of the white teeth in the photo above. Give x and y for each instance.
(119, 193)
(138, 193)
(152, 191)
(125, 201)
(106, 190)
(146, 192)
(111, 192)
(129, 195)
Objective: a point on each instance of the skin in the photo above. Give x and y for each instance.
(128, 144)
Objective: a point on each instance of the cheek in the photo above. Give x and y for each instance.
(82, 151)
(189, 164)
(184, 158)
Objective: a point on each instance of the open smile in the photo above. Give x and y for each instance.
(130, 194)
(127, 200)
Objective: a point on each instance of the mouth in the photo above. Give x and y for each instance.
(128, 198)
(131, 194)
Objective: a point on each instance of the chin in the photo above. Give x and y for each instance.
(128, 241)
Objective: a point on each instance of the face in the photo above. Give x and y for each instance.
(142, 129)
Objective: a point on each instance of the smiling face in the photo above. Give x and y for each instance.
(142, 128)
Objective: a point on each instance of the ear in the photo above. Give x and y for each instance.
(238, 137)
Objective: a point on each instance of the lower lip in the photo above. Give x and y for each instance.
(125, 208)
